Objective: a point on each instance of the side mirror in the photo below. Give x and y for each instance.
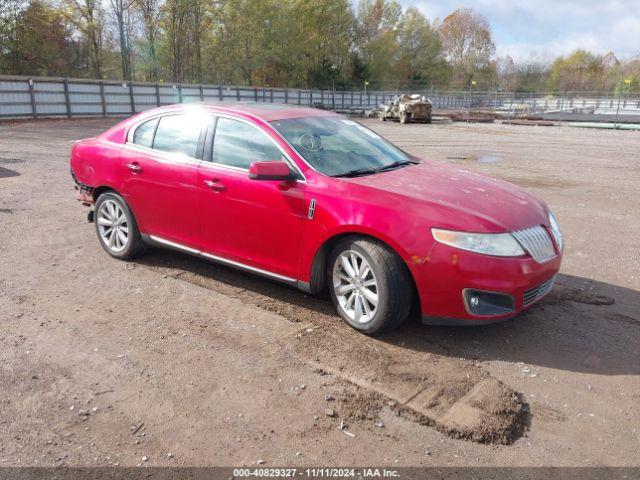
(270, 170)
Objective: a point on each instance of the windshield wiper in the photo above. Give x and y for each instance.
(400, 163)
(370, 171)
(357, 172)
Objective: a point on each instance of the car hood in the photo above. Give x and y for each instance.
(451, 197)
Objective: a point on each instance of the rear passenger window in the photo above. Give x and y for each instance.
(143, 134)
(179, 134)
(238, 144)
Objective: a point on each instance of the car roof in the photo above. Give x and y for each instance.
(269, 111)
(264, 111)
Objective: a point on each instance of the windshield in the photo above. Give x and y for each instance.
(338, 146)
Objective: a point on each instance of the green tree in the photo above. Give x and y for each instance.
(378, 24)
(303, 43)
(37, 41)
(629, 77)
(629, 85)
(241, 29)
(421, 60)
(10, 11)
(581, 70)
(325, 39)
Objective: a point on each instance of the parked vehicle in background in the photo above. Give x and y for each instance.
(407, 108)
(316, 200)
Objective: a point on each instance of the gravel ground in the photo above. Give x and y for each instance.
(174, 361)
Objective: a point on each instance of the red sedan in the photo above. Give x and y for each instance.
(318, 201)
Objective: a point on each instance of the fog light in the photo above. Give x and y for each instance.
(479, 302)
(474, 300)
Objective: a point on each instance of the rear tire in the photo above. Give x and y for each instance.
(117, 228)
(369, 285)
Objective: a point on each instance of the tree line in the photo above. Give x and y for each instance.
(283, 43)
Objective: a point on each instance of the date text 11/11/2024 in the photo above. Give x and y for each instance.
(317, 472)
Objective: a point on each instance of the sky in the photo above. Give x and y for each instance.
(544, 29)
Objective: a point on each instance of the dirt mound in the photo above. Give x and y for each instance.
(581, 296)
(453, 395)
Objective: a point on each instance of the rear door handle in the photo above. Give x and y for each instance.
(134, 167)
(215, 185)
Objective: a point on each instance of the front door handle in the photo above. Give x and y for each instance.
(215, 185)
(134, 167)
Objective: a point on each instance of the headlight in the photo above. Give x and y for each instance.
(555, 231)
(499, 244)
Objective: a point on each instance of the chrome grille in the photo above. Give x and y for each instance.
(536, 242)
(536, 293)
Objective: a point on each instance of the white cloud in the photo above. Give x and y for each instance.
(548, 28)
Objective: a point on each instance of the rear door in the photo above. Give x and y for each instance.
(161, 162)
(254, 222)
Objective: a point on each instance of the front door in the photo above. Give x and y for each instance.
(254, 222)
(161, 163)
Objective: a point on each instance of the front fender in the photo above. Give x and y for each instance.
(314, 252)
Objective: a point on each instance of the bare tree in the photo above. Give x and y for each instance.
(467, 42)
(150, 10)
(86, 16)
(199, 12)
(176, 21)
(121, 10)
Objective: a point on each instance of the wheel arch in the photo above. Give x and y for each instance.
(318, 277)
(97, 191)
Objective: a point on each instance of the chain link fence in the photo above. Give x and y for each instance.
(564, 106)
(34, 97)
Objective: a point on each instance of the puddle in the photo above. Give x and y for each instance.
(482, 159)
(6, 210)
(489, 159)
(11, 160)
(6, 173)
(541, 182)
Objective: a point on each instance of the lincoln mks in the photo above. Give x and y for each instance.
(318, 201)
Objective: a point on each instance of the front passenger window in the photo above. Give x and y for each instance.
(238, 144)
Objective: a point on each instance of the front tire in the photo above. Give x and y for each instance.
(369, 284)
(404, 117)
(116, 227)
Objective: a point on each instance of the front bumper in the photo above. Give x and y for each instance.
(444, 276)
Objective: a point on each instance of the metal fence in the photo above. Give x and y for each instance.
(46, 97)
(49, 97)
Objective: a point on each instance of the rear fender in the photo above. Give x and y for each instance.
(96, 164)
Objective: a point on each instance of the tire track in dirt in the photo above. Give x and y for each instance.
(453, 395)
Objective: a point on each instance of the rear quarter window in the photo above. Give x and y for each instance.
(143, 134)
(178, 134)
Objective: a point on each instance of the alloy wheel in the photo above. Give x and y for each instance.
(355, 286)
(112, 226)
